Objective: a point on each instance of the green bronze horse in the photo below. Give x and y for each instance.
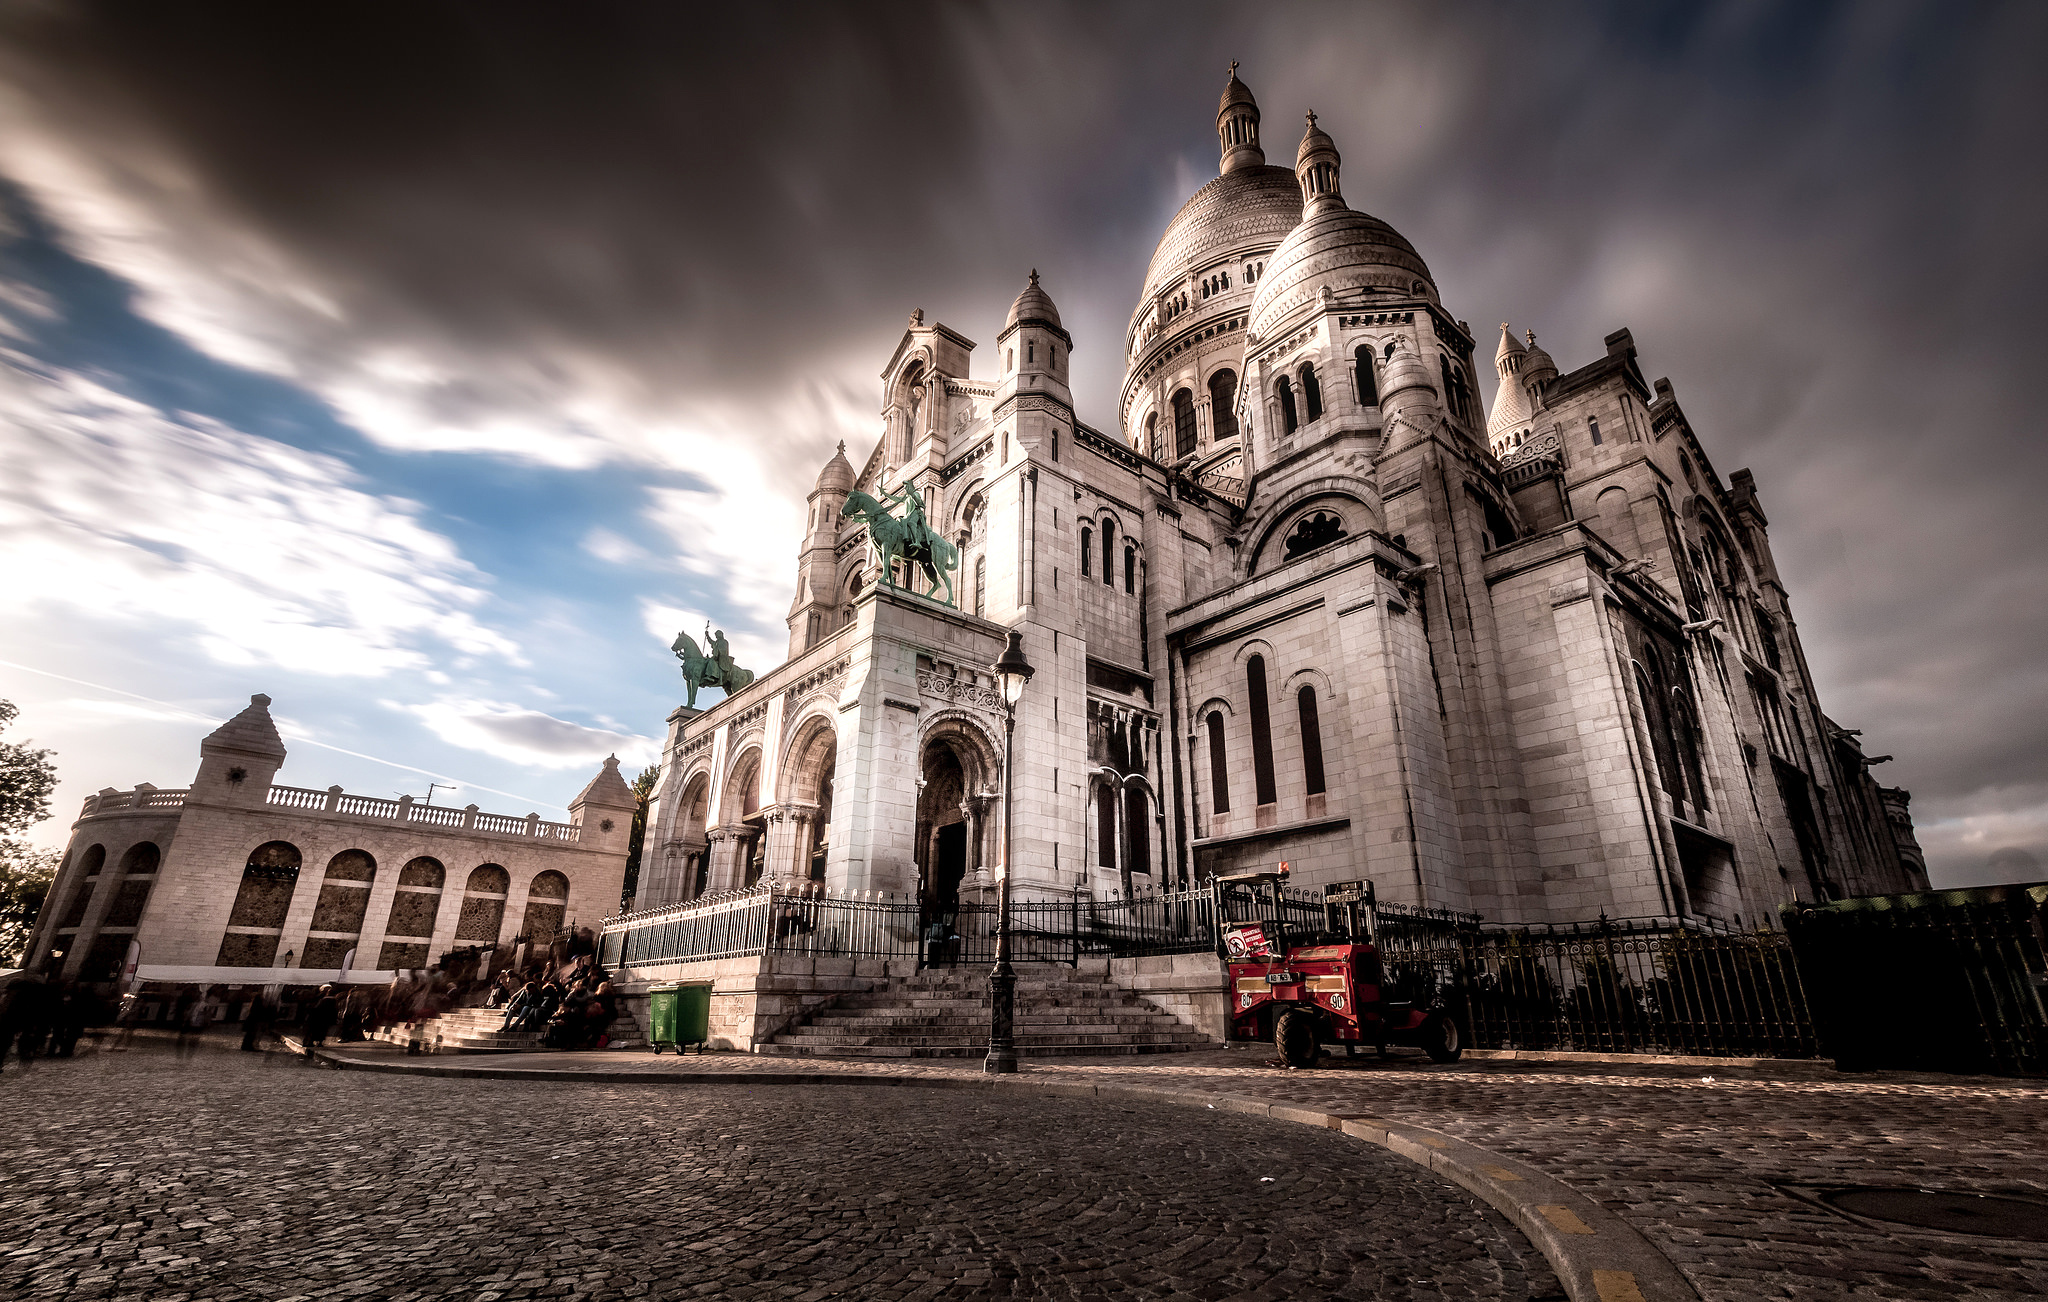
(712, 669)
(912, 538)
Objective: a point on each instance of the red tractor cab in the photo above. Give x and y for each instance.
(1307, 981)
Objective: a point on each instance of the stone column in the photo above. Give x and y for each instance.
(727, 872)
(976, 808)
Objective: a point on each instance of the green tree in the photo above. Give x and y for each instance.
(643, 791)
(27, 780)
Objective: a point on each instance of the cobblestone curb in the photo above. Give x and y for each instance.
(1598, 1256)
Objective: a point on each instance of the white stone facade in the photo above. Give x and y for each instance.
(235, 877)
(1305, 608)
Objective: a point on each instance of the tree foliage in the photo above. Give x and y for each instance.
(643, 792)
(27, 780)
(25, 876)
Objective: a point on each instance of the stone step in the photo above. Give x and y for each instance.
(1050, 1050)
(1092, 1025)
(1154, 1038)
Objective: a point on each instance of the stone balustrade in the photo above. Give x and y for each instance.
(336, 801)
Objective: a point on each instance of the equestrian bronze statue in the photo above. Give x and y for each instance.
(909, 537)
(712, 669)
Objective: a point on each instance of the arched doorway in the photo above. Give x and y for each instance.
(942, 828)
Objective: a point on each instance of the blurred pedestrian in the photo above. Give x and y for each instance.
(194, 1012)
(320, 1018)
(256, 1022)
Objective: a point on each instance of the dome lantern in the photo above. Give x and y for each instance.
(1237, 126)
(1315, 167)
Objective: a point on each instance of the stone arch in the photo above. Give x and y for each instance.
(689, 846)
(256, 921)
(344, 899)
(547, 901)
(813, 742)
(409, 929)
(958, 773)
(1275, 525)
(1616, 522)
(742, 793)
(90, 865)
(483, 904)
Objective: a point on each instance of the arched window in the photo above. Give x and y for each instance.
(1219, 765)
(1311, 741)
(547, 898)
(1311, 393)
(1368, 386)
(1108, 550)
(1105, 825)
(483, 904)
(410, 926)
(1262, 730)
(1183, 423)
(1130, 569)
(1223, 406)
(981, 585)
(1137, 831)
(1288, 421)
(257, 920)
(1152, 448)
(344, 898)
(1087, 538)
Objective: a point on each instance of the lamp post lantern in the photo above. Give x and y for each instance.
(1012, 672)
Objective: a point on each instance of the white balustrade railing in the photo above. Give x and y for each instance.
(336, 801)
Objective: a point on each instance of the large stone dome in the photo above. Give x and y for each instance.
(1250, 207)
(1344, 250)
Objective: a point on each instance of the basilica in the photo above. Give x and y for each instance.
(1299, 599)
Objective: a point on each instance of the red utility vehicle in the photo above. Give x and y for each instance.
(1305, 987)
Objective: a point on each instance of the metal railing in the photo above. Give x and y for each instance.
(1635, 986)
(1616, 987)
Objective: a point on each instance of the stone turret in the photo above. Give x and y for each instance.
(238, 759)
(815, 612)
(1237, 126)
(606, 800)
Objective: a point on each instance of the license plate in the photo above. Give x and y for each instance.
(1281, 978)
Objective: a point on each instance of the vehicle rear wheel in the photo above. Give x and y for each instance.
(1295, 1034)
(1441, 1038)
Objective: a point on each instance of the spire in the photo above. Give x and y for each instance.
(838, 475)
(1315, 166)
(1237, 126)
(1506, 357)
(249, 733)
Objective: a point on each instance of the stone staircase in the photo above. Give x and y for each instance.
(475, 1030)
(943, 1013)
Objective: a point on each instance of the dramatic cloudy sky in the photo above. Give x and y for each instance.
(428, 366)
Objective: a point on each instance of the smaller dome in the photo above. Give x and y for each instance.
(1033, 305)
(1404, 370)
(838, 475)
(1536, 364)
(1315, 143)
(1236, 92)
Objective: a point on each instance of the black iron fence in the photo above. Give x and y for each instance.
(1942, 981)
(1613, 987)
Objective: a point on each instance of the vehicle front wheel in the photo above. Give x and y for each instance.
(1441, 1038)
(1295, 1035)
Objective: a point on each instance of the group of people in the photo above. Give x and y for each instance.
(41, 1018)
(577, 1016)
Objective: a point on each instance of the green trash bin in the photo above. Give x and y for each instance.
(661, 1017)
(693, 1016)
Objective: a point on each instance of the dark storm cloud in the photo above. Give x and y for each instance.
(1819, 220)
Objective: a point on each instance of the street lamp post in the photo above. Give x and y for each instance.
(1012, 672)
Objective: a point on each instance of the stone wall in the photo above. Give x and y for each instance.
(1193, 987)
(755, 997)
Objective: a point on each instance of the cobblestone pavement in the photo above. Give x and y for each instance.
(1708, 1163)
(232, 1176)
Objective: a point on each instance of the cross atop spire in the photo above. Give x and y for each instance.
(1233, 69)
(1311, 119)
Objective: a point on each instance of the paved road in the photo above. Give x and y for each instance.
(234, 1176)
(1708, 1163)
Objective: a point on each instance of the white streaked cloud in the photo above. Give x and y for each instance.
(251, 551)
(528, 736)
